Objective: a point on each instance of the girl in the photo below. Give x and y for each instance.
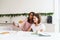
(27, 22)
(37, 26)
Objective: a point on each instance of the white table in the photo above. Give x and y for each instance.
(20, 35)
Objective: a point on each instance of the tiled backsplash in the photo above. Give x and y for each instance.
(17, 18)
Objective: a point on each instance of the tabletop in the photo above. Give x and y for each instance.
(21, 35)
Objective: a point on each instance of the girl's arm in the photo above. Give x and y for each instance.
(29, 29)
(41, 30)
(23, 24)
(15, 24)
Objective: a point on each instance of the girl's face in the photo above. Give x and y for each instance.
(35, 19)
(31, 16)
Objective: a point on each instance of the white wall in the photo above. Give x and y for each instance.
(59, 13)
(21, 6)
(56, 16)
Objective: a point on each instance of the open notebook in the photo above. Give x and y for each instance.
(42, 34)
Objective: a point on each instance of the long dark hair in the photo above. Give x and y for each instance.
(30, 21)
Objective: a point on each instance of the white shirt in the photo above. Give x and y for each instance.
(38, 27)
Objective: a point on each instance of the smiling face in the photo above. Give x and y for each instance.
(30, 18)
(31, 15)
(35, 19)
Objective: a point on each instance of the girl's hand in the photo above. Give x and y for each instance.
(14, 23)
(41, 30)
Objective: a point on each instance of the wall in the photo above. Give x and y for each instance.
(20, 6)
(59, 13)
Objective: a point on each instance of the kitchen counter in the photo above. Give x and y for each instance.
(20, 35)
